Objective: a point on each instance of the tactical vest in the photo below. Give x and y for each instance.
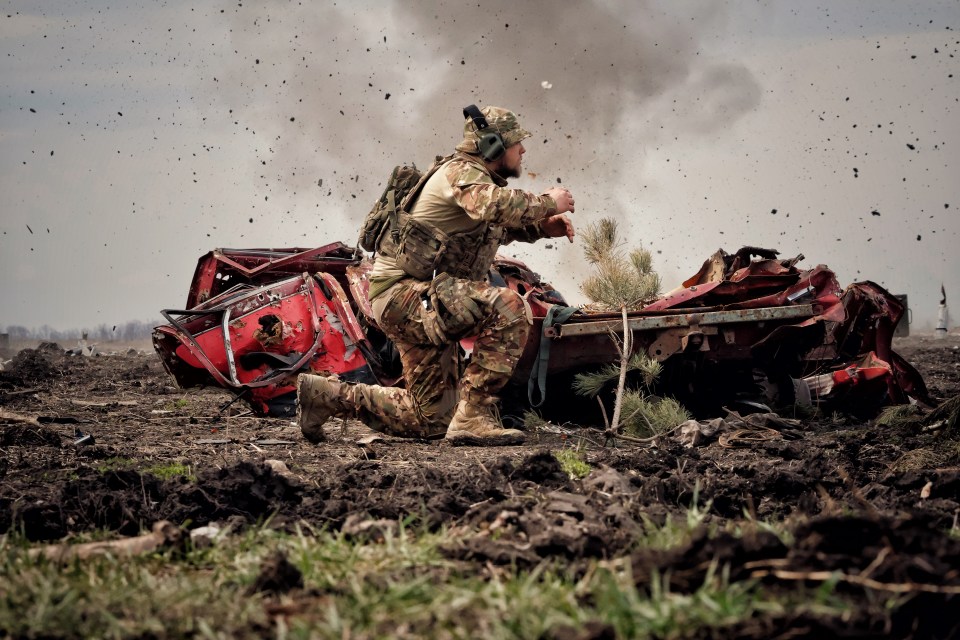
(423, 250)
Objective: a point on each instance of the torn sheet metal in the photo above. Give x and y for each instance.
(738, 319)
(257, 316)
(222, 269)
(255, 340)
(859, 386)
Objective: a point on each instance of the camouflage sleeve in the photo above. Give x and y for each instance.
(526, 233)
(483, 200)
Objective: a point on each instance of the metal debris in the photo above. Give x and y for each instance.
(747, 328)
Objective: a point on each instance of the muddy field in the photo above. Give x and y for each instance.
(110, 443)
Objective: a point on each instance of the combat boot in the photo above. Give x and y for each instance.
(318, 400)
(478, 424)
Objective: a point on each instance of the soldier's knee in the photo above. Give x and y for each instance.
(511, 306)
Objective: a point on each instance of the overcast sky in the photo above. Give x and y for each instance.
(137, 136)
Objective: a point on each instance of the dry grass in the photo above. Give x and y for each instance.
(918, 459)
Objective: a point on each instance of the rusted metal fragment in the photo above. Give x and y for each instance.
(358, 277)
(713, 318)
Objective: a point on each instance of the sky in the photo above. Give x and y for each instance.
(136, 136)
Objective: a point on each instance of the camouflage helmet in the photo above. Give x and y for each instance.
(503, 121)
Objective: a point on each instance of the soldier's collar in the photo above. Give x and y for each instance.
(498, 179)
(475, 160)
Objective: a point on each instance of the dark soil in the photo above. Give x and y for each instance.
(871, 503)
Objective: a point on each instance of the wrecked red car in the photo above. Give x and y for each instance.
(747, 328)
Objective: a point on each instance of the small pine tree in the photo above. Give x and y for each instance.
(641, 415)
(622, 282)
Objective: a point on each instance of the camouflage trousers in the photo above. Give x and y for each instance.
(432, 373)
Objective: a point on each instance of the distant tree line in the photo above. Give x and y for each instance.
(130, 330)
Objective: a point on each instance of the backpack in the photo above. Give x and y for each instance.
(402, 188)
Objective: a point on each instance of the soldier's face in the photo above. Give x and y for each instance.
(512, 161)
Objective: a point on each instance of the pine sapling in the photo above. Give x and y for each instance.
(622, 282)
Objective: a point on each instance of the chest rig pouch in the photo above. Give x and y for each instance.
(423, 250)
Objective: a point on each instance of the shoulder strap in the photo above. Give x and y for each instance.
(411, 197)
(392, 226)
(537, 384)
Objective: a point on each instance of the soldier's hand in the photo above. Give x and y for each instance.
(557, 226)
(462, 310)
(458, 312)
(563, 198)
(434, 329)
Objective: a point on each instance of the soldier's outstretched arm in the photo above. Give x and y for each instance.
(557, 226)
(562, 197)
(510, 208)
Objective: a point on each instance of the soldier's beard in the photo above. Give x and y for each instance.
(509, 172)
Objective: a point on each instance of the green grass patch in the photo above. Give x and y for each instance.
(400, 585)
(169, 470)
(164, 470)
(674, 531)
(179, 403)
(572, 463)
(114, 464)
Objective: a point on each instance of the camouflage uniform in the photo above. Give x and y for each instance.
(432, 373)
(463, 196)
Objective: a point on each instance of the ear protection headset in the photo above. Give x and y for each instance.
(490, 143)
